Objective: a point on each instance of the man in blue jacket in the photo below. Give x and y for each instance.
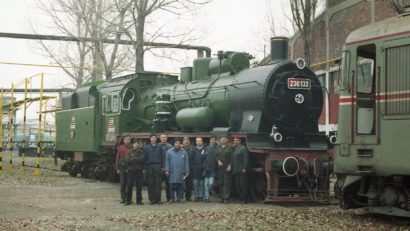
(153, 161)
(199, 155)
(176, 169)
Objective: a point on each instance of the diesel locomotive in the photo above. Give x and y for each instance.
(374, 119)
(273, 108)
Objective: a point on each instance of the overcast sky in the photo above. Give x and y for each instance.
(234, 25)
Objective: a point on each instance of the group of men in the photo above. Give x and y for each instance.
(188, 171)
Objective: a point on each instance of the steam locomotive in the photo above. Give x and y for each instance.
(273, 108)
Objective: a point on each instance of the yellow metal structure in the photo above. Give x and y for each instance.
(9, 167)
(11, 107)
(36, 172)
(23, 151)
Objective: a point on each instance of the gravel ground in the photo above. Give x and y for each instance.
(55, 201)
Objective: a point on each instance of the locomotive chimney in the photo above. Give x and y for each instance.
(279, 48)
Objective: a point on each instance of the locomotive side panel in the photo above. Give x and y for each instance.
(76, 128)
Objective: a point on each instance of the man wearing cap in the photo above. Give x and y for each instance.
(240, 166)
(186, 143)
(122, 150)
(176, 169)
(224, 160)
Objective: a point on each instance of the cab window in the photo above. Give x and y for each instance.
(128, 97)
(110, 103)
(115, 102)
(365, 68)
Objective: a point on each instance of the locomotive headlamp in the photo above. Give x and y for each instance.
(251, 118)
(300, 63)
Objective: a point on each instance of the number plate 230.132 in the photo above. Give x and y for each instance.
(295, 83)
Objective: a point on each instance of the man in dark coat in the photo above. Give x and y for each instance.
(209, 168)
(135, 166)
(165, 146)
(186, 143)
(199, 155)
(176, 169)
(153, 162)
(240, 166)
(224, 160)
(120, 164)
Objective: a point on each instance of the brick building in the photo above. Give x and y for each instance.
(329, 33)
(334, 25)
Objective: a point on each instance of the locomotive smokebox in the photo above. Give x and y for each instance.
(279, 48)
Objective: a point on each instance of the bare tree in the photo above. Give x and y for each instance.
(105, 20)
(400, 5)
(139, 13)
(93, 19)
(74, 55)
(303, 15)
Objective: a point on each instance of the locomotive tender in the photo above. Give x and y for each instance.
(273, 108)
(374, 119)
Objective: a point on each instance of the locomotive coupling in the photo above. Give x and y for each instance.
(277, 137)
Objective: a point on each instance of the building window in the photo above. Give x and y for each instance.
(333, 77)
(322, 80)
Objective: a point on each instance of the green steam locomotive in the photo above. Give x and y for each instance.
(374, 119)
(273, 108)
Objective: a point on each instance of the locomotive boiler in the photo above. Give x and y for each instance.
(273, 108)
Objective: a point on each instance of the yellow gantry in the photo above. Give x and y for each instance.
(11, 107)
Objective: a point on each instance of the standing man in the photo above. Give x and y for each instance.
(153, 162)
(122, 150)
(224, 159)
(210, 170)
(176, 169)
(164, 147)
(199, 152)
(135, 166)
(188, 180)
(240, 166)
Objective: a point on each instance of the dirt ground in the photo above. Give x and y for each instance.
(56, 201)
